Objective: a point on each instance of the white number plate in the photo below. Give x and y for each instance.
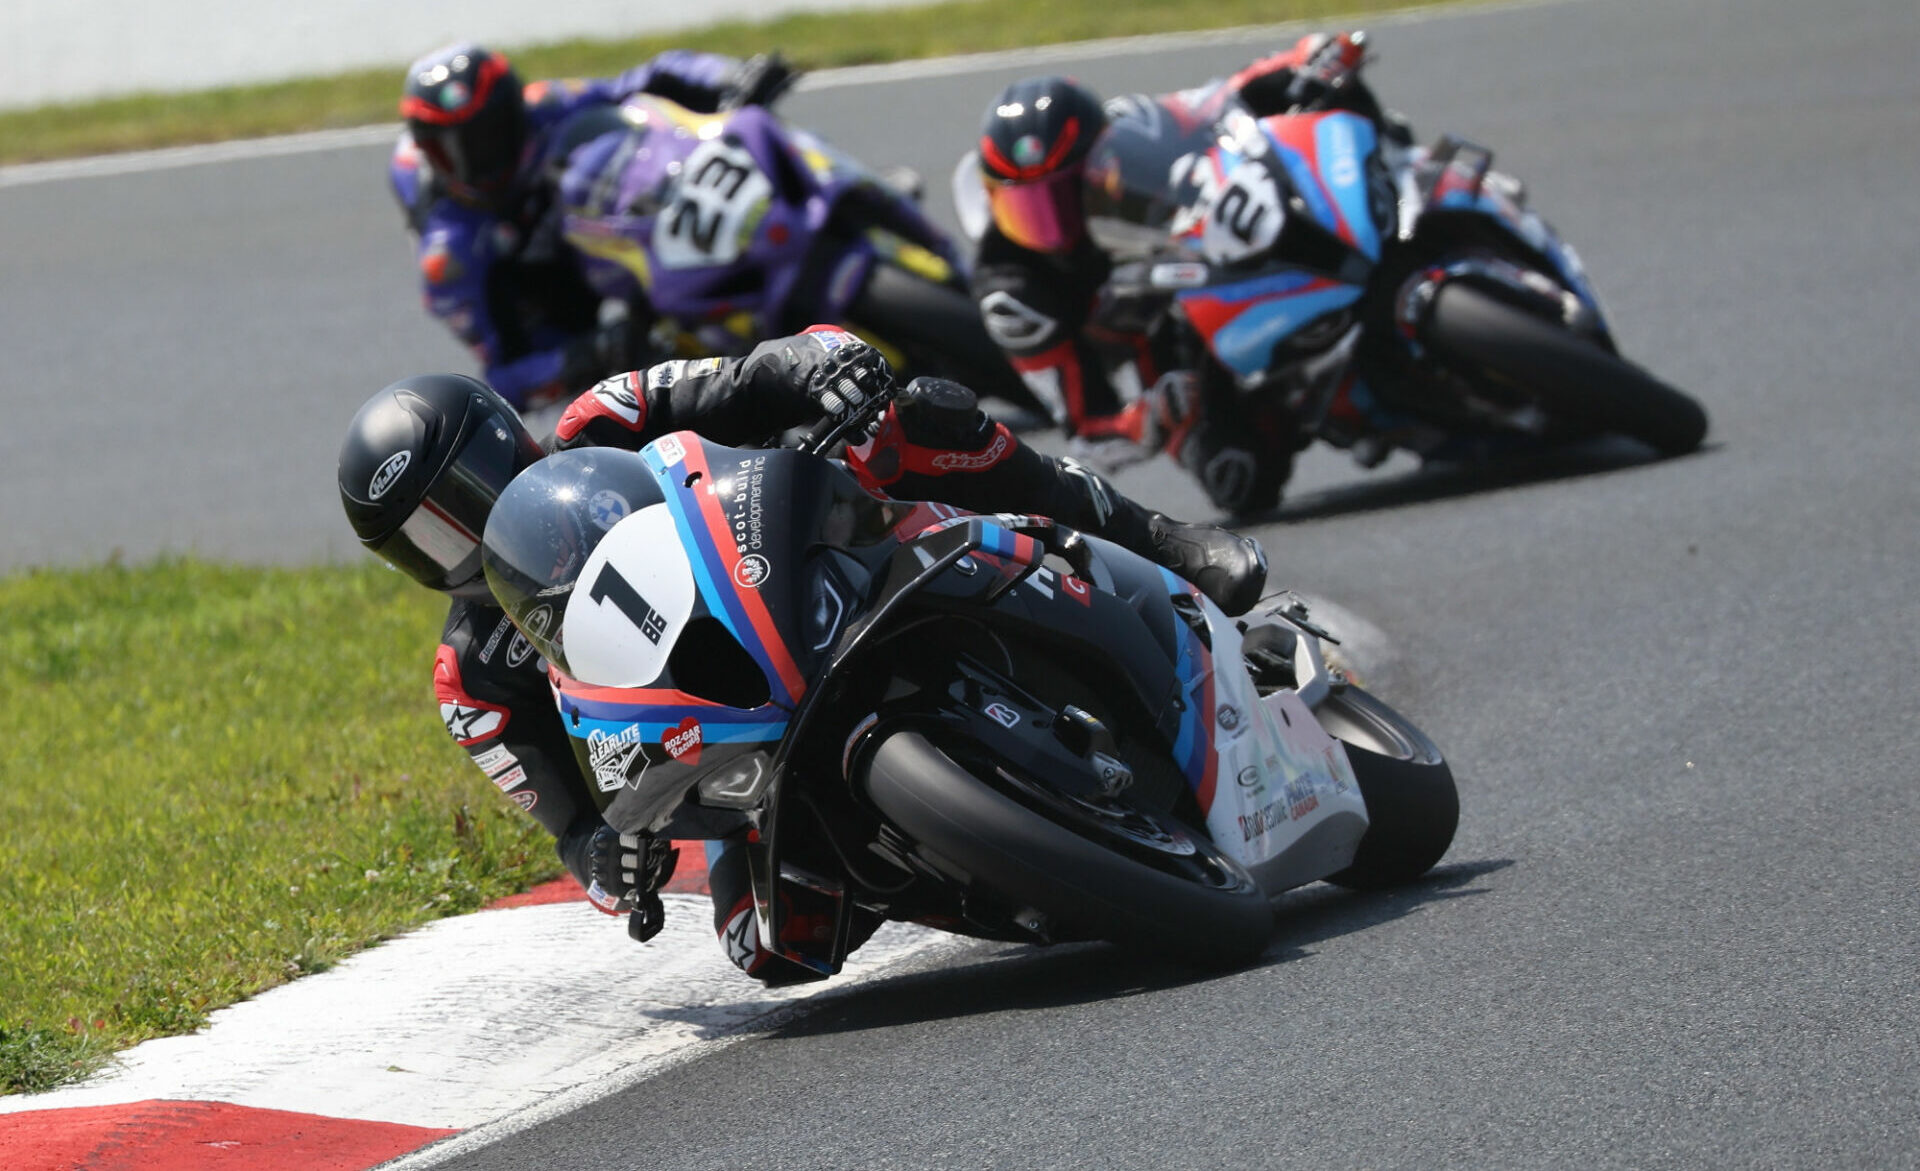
(720, 199)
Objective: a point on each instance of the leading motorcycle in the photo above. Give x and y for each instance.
(1319, 279)
(989, 723)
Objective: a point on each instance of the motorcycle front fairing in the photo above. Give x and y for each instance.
(1298, 203)
(1451, 186)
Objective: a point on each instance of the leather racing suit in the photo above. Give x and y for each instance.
(504, 281)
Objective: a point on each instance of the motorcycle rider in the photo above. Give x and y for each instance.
(1038, 275)
(424, 460)
(471, 173)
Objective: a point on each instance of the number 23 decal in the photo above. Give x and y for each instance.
(720, 200)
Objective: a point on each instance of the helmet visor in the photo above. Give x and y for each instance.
(439, 543)
(1042, 215)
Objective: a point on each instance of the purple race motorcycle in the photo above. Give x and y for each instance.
(734, 227)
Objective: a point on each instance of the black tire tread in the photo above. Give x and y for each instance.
(1572, 377)
(1086, 888)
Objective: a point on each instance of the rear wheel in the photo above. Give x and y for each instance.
(1570, 378)
(938, 328)
(1135, 878)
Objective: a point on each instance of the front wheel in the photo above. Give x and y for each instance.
(1413, 806)
(1144, 882)
(1571, 379)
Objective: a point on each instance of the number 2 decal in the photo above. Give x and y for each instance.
(1244, 218)
(720, 199)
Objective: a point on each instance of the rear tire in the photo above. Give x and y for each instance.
(938, 328)
(1571, 379)
(1413, 806)
(1086, 889)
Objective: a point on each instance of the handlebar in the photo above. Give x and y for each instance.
(820, 438)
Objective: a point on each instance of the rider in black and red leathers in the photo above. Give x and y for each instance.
(425, 459)
(1038, 275)
(470, 172)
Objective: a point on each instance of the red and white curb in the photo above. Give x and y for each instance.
(450, 1037)
(465, 1022)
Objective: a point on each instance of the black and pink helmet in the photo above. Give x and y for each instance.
(1033, 148)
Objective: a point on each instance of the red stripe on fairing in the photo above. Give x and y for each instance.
(201, 1136)
(648, 696)
(1298, 132)
(421, 110)
(1209, 314)
(708, 507)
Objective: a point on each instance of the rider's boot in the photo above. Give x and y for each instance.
(1227, 567)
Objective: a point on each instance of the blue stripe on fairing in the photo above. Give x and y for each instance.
(1351, 195)
(1305, 183)
(685, 507)
(712, 731)
(1246, 343)
(1189, 748)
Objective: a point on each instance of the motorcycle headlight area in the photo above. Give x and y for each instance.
(739, 784)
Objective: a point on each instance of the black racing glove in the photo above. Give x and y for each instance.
(622, 872)
(760, 81)
(839, 373)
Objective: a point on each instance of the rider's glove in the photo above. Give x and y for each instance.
(759, 81)
(622, 872)
(839, 373)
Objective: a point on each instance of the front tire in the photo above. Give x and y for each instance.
(1413, 806)
(1572, 379)
(1213, 914)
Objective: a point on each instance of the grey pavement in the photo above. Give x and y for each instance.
(1678, 926)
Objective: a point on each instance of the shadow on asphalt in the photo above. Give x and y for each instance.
(1015, 977)
(1442, 481)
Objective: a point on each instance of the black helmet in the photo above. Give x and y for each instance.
(1033, 147)
(466, 113)
(422, 464)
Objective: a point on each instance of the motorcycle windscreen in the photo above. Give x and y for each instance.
(542, 537)
(1137, 181)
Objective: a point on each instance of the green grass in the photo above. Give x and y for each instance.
(812, 40)
(215, 779)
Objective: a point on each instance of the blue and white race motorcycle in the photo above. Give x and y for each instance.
(989, 723)
(1324, 282)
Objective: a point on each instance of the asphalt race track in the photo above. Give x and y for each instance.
(1679, 926)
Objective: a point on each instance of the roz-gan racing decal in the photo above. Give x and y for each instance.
(1003, 715)
(684, 741)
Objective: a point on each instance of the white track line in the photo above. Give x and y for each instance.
(1259, 36)
(469, 1019)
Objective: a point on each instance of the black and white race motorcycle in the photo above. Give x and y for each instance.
(990, 723)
